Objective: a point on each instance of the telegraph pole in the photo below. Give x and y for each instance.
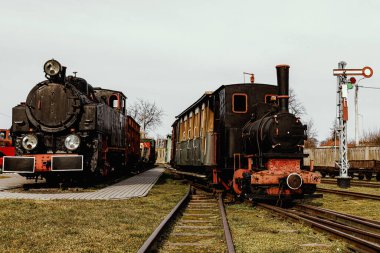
(357, 114)
(341, 73)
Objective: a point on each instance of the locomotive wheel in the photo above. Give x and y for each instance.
(51, 180)
(88, 179)
(238, 181)
(368, 176)
(361, 176)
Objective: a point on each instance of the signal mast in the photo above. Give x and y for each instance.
(341, 73)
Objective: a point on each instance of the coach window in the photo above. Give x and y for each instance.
(176, 132)
(184, 128)
(190, 129)
(196, 123)
(123, 105)
(181, 130)
(239, 103)
(203, 121)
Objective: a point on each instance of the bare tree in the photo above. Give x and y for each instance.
(147, 114)
(333, 135)
(295, 106)
(371, 137)
(312, 135)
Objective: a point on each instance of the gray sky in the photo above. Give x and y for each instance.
(171, 52)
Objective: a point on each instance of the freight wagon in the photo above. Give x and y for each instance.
(364, 161)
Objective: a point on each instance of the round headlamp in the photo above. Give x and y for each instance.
(72, 142)
(294, 181)
(52, 67)
(29, 142)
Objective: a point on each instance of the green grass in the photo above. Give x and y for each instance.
(257, 230)
(86, 226)
(368, 190)
(355, 206)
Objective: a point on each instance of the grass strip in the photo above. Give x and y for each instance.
(368, 190)
(86, 226)
(257, 230)
(365, 208)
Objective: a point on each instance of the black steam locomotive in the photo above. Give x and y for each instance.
(243, 138)
(68, 128)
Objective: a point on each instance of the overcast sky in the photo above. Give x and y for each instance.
(170, 52)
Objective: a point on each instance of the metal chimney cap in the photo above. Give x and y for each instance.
(283, 66)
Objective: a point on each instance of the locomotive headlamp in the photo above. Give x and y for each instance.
(72, 142)
(52, 67)
(294, 181)
(29, 142)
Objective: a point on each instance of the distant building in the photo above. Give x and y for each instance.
(161, 150)
(168, 148)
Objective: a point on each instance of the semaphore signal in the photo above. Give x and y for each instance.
(343, 85)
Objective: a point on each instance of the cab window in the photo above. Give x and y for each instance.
(114, 101)
(239, 103)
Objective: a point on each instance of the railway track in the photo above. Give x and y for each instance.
(350, 193)
(353, 183)
(197, 224)
(361, 234)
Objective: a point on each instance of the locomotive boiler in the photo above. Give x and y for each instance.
(67, 128)
(243, 138)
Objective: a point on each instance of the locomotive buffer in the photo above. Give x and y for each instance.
(341, 73)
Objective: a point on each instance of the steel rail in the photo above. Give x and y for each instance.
(348, 193)
(150, 244)
(358, 243)
(352, 219)
(226, 227)
(363, 232)
(353, 183)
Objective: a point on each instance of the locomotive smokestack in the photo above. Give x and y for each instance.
(283, 86)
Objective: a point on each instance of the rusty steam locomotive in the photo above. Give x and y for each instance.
(243, 138)
(67, 128)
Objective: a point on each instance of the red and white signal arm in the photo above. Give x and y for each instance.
(366, 72)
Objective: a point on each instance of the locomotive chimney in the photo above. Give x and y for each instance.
(283, 86)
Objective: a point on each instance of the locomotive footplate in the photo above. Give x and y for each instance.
(67, 163)
(42, 163)
(18, 164)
